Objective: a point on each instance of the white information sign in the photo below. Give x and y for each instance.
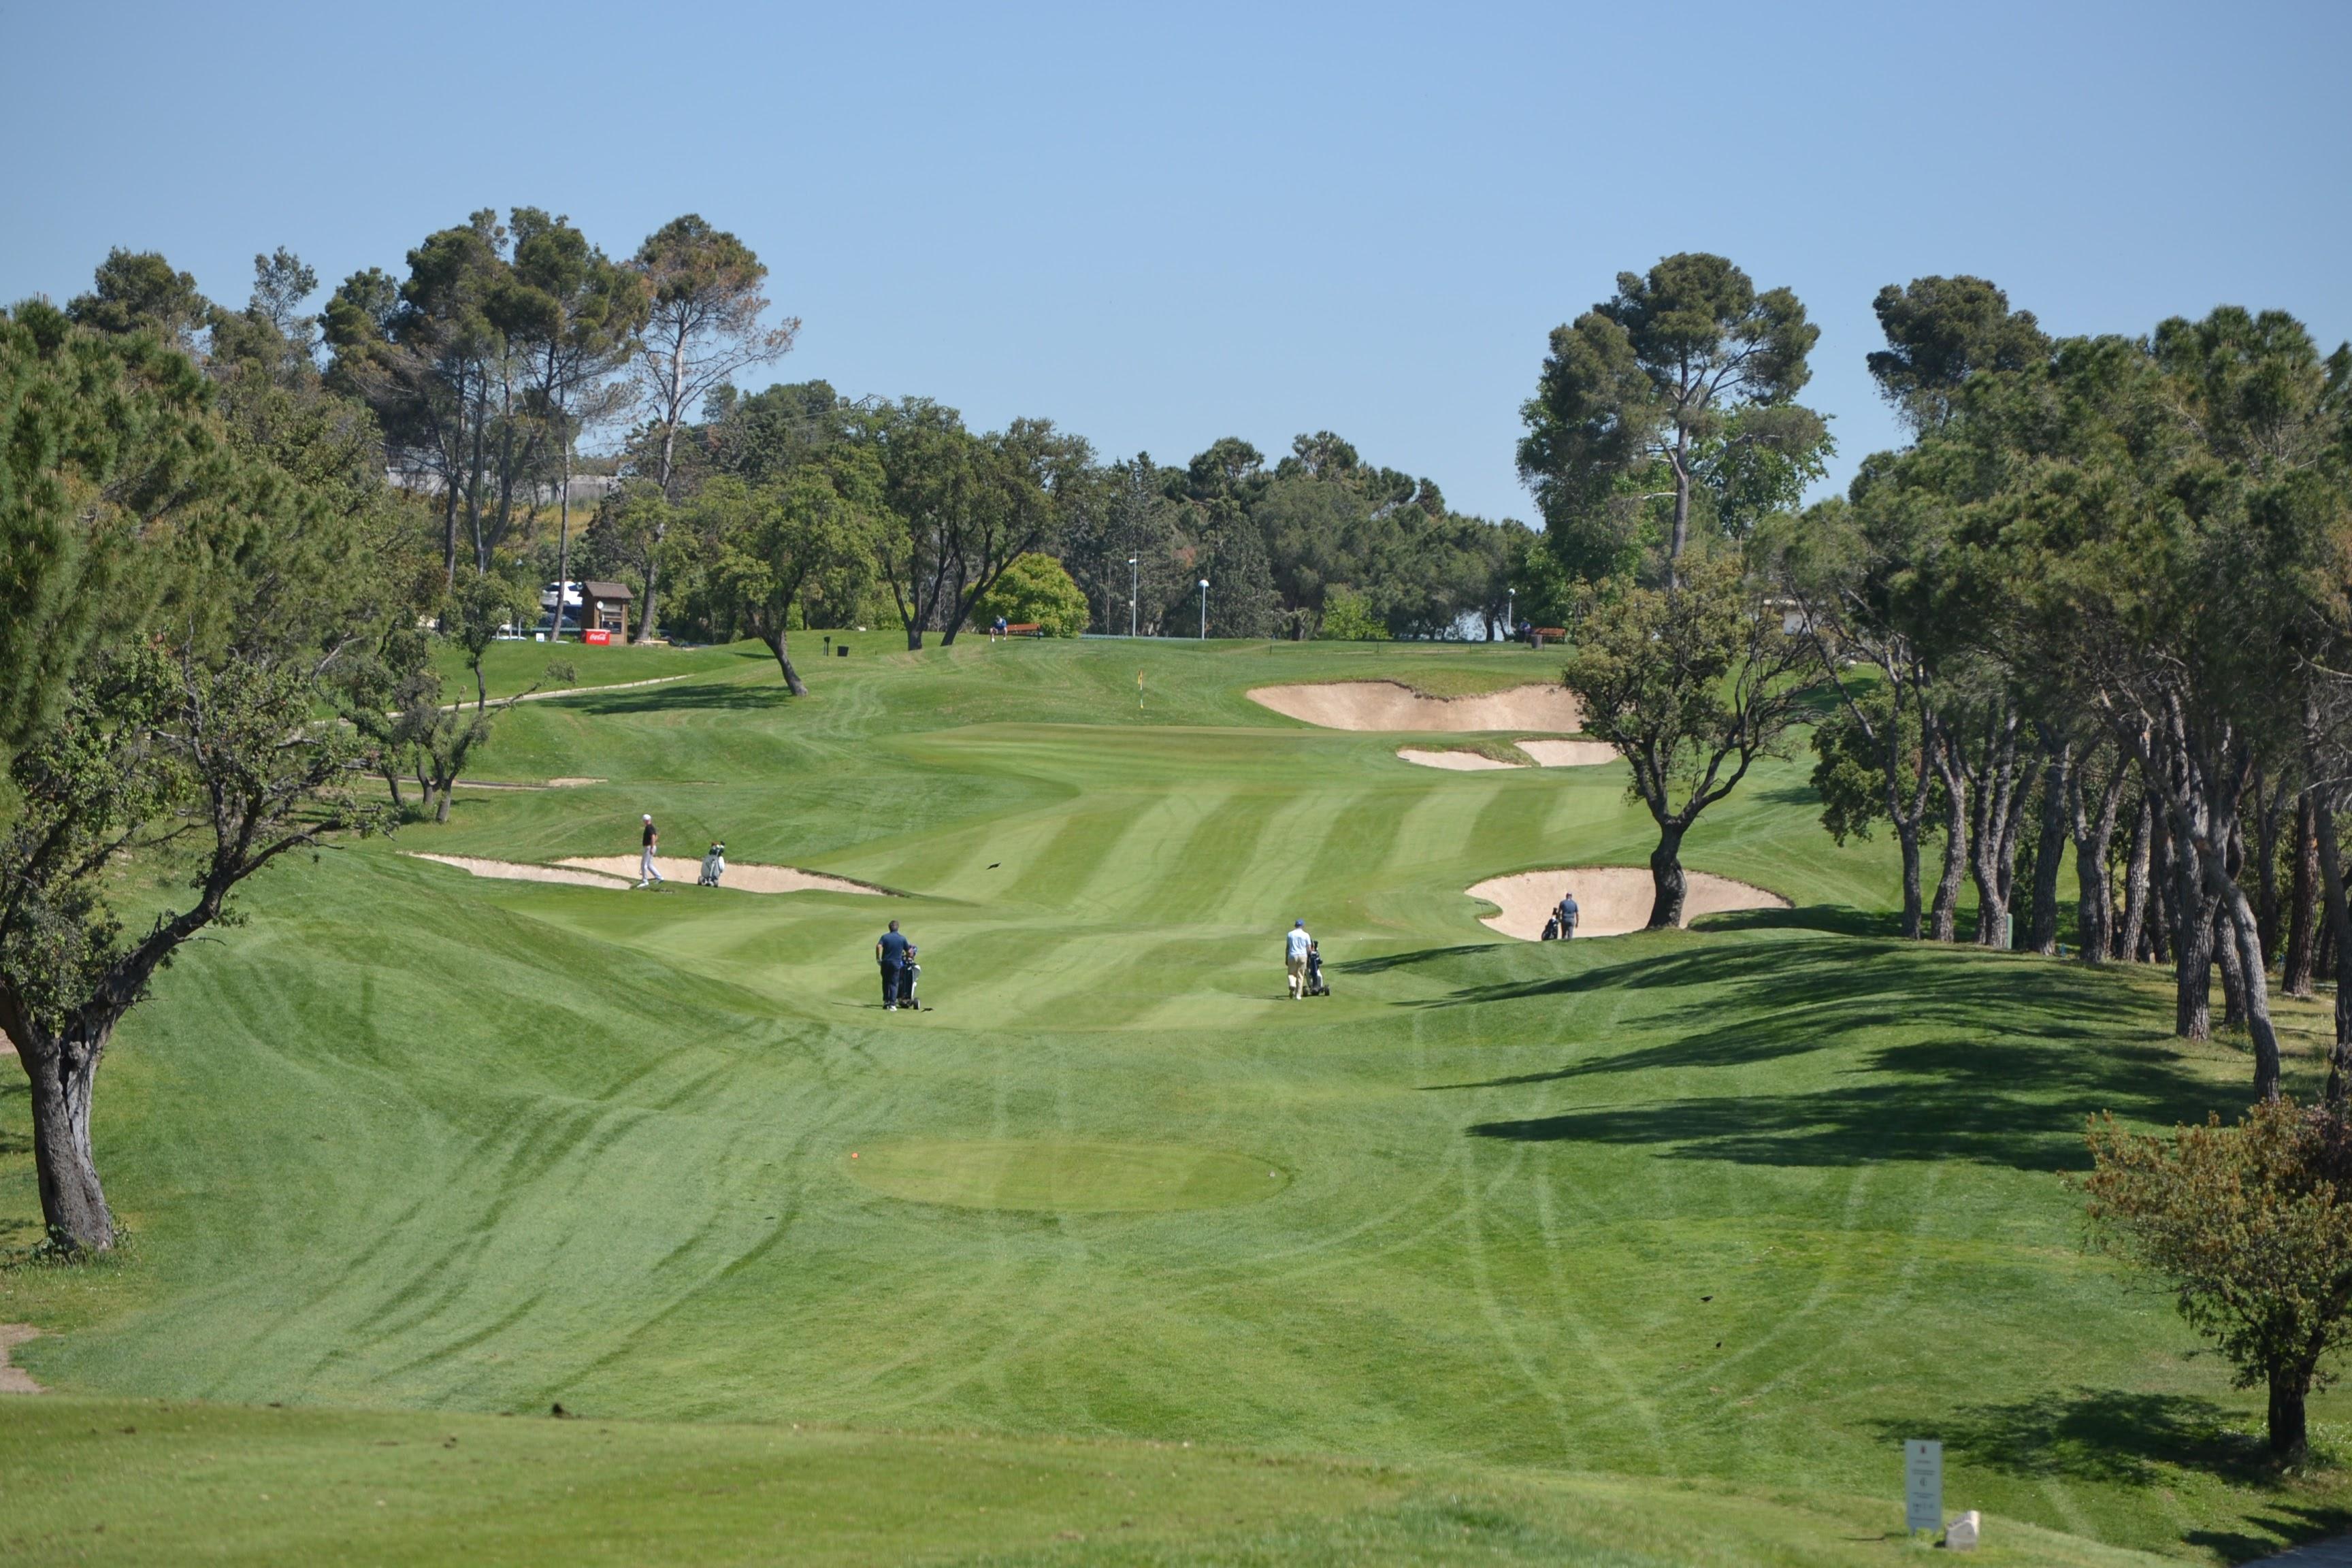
(1922, 1484)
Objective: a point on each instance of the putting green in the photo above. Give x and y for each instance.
(1064, 1176)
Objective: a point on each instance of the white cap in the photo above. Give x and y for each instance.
(649, 817)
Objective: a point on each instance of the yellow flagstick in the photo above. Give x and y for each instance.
(1138, 691)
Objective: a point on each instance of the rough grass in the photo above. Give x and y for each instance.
(1739, 1207)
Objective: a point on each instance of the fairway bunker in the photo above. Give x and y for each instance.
(1064, 1176)
(1393, 706)
(1612, 900)
(1547, 755)
(621, 871)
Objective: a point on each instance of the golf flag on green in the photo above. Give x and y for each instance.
(1138, 691)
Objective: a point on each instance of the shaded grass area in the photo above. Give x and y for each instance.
(1738, 1207)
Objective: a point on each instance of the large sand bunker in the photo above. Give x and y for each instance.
(621, 871)
(1387, 705)
(1547, 755)
(1610, 900)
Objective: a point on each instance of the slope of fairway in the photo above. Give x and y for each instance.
(1742, 1206)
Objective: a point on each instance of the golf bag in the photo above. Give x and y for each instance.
(907, 978)
(1315, 985)
(1551, 929)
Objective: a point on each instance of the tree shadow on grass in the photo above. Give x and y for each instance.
(708, 697)
(2109, 1435)
(2114, 1436)
(1996, 1062)
(1843, 920)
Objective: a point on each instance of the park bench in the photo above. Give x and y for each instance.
(1549, 634)
(1024, 629)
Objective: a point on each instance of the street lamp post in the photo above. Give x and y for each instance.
(1510, 612)
(1134, 590)
(1205, 609)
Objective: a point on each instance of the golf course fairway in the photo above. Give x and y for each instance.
(1645, 1250)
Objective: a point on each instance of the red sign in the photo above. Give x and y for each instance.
(597, 635)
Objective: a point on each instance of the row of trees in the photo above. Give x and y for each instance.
(2097, 608)
(1320, 544)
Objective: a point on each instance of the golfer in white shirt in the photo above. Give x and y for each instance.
(1294, 955)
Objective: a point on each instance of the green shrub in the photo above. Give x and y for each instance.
(1035, 588)
(1348, 617)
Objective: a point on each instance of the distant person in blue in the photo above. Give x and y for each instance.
(1566, 915)
(891, 952)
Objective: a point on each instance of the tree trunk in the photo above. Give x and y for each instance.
(2192, 962)
(1945, 917)
(2231, 963)
(1680, 459)
(2049, 851)
(646, 611)
(2095, 898)
(2136, 873)
(2269, 816)
(63, 1072)
(1667, 879)
(1906, 835)
(2289, 1436)
(562, 552)
(792, 681)
(2303, 887)
(2164, 891)
(1993, 826)
(2339, 933)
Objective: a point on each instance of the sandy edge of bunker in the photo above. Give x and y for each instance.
(1612, 900)
(621, 871)
(1390, 705)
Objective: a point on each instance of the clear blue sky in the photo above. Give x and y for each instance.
(1163, 225)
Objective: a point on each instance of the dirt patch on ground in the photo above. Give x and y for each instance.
(1389, 705)
(15, 1379)
(1611, 900)
(1455, 762)
(1569, 753)
(572, 783)
(743, 878)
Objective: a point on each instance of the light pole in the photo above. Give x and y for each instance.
(1510, 613)
(1134, 589)
(1205, 609)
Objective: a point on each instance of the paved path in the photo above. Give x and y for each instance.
(2336, 1553)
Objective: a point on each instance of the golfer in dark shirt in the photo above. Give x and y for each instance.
(890, 952)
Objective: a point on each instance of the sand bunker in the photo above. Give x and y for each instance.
(1386, 705)
(1455, 762)
(15, 1379)
(516, 872)
(621, 871)
(1610, 900)
(1569, 753)
(744, 878)
(1547, 753)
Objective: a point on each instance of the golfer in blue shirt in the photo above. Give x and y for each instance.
(890, 952)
